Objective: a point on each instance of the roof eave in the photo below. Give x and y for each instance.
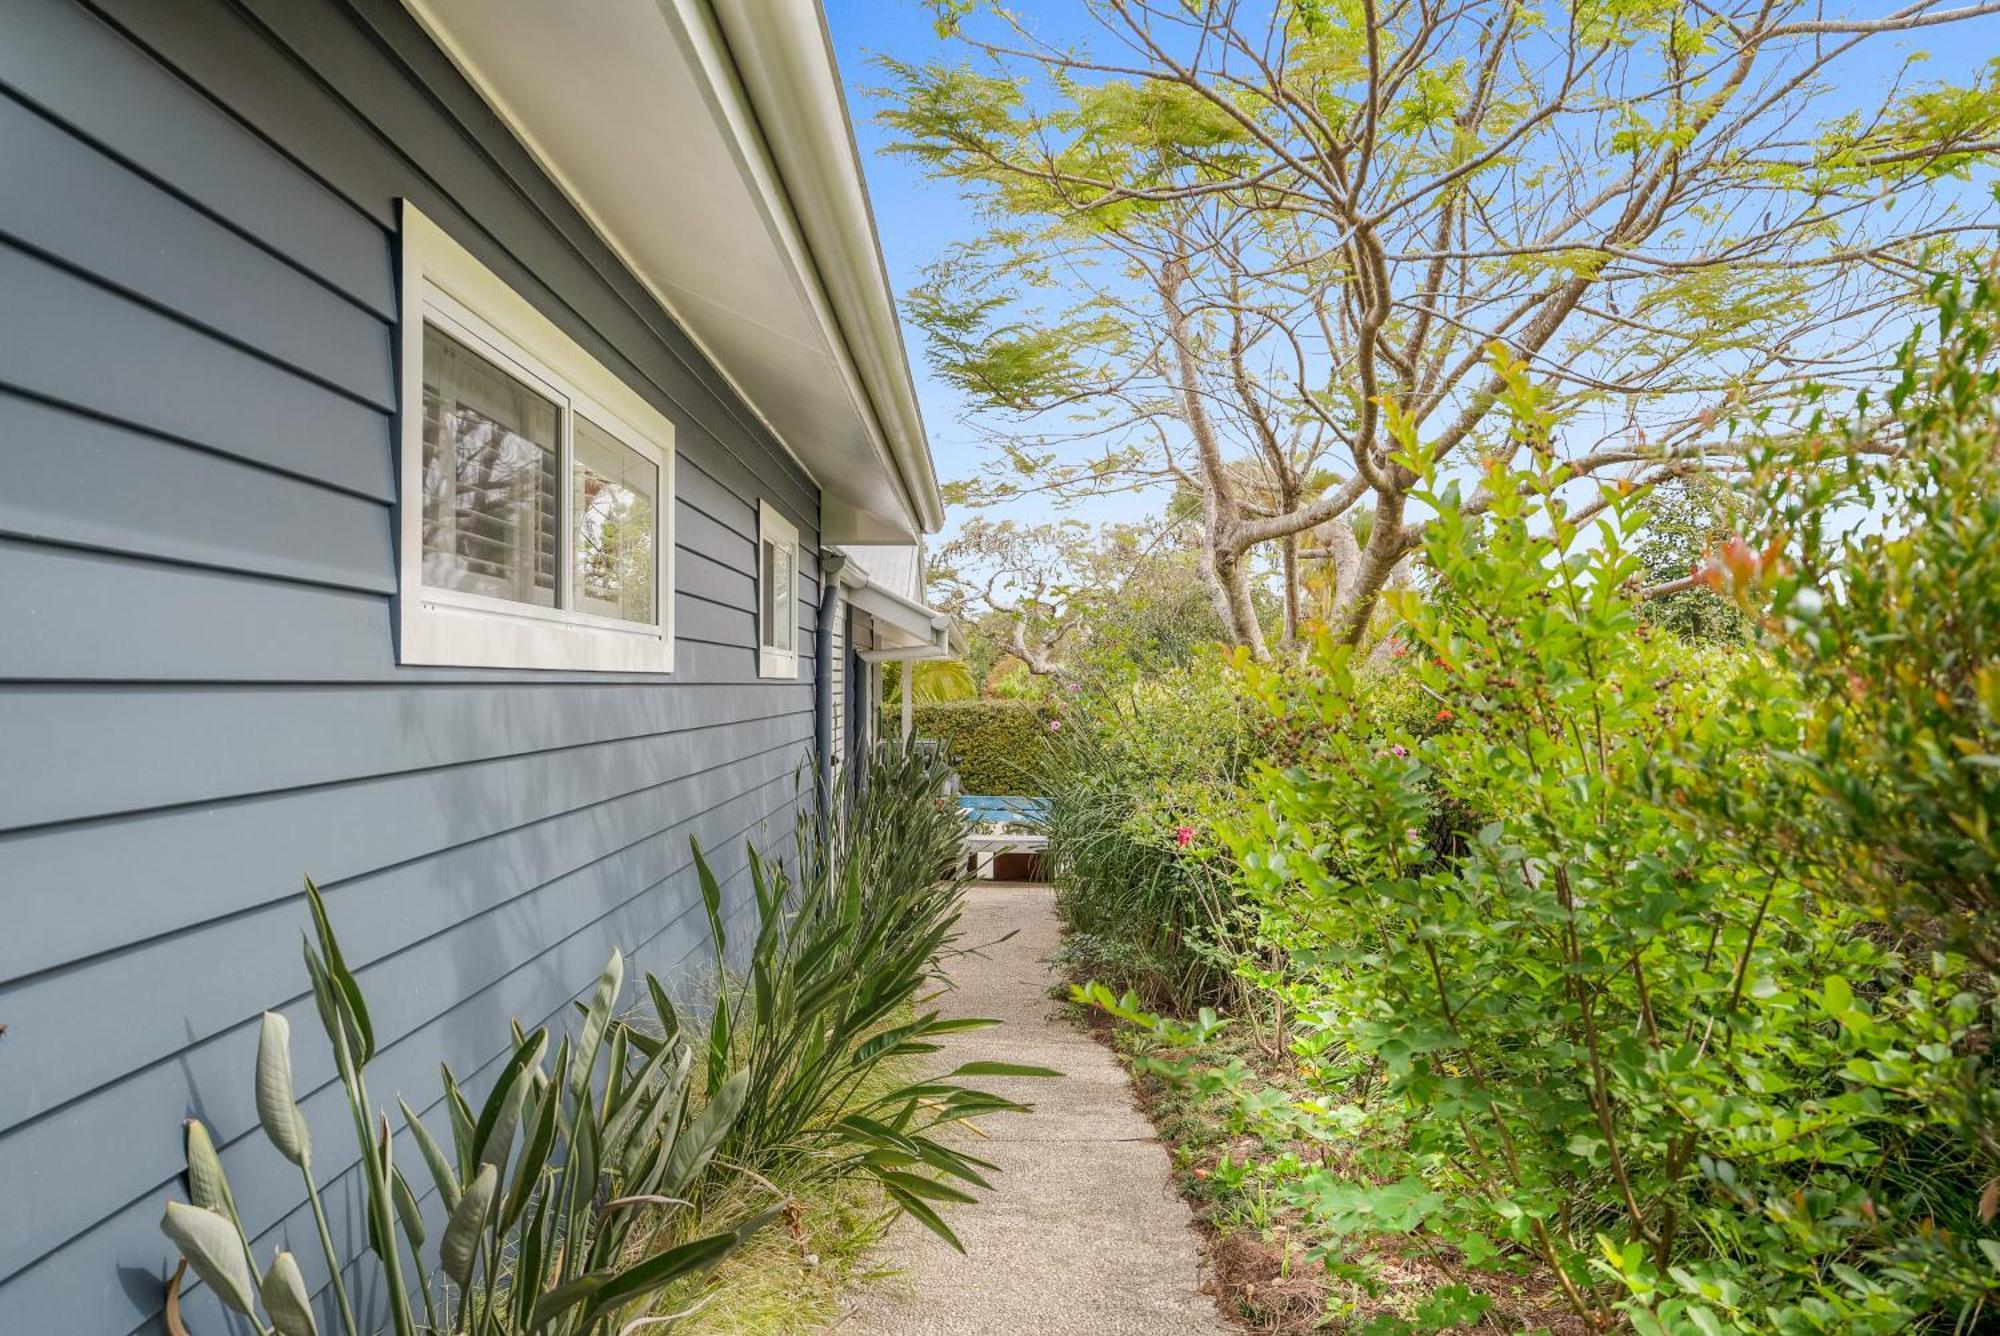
(785, 60)
(800, 318)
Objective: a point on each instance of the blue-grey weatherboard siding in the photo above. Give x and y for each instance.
(199, 698)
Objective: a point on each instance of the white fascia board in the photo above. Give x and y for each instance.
(912, 619)
(785, 58)
(791, 209)
(908, 617)
(906, 654)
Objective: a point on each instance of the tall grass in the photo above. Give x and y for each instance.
(1142, 914)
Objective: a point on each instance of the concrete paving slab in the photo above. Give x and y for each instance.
(1083, 1234)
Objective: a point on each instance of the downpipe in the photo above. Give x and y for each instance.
(831, 567)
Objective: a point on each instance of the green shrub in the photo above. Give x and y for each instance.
(1892, 779)
(1148, 777)
(1139, 776)
(575, 1193)
(999, 746)
(1641, 956)
(1704, 1096)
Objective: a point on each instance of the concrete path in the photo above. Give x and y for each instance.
(1083, 1233)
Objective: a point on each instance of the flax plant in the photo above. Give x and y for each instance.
(544, 1186)
(561, 1186)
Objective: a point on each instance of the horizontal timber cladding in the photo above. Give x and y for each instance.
(199, 695)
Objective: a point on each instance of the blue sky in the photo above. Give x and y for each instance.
(918, 219)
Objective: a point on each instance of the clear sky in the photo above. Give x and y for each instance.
(918, 219)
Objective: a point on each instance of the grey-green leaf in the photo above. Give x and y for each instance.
(206, 1183)
(277, 1110)
(212, 1248)
(554, 1303)
(286, 1299)
(407, 1211)
(443, 1172)
(663, 1268)
(460, 1247)
(699, 1139)
(596, 1019)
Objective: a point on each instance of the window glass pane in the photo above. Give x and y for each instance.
(490, 507)
(616, 498)
(767, 591)
(787, 623)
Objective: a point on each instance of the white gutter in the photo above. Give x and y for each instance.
(785, 61)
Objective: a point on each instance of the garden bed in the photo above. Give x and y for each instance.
(1264, 1271)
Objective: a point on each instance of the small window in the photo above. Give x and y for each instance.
(778, 594)
(537, 487)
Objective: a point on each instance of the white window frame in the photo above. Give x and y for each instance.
(772, 661)
(443, 284)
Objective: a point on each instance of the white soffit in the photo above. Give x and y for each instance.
(637, 110)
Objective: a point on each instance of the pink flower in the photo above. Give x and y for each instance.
(1399, 751)
(1183, 836)
(1055, 725)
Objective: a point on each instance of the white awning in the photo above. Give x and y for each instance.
(905, 627)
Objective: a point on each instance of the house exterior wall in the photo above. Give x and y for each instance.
(199, 695)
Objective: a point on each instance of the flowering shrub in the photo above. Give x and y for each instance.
(1659, 1066)
(1889, 786)
(1144, 774)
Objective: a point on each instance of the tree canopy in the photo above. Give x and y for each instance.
(1289, 256)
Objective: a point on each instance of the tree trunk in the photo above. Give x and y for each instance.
(1232, 572)
(1291, 556)
(1387, 545)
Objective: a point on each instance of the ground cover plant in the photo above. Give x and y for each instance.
(1219, 1099)
(606, 1178)
(1656, 967)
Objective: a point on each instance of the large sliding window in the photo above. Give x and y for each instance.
(536, 487)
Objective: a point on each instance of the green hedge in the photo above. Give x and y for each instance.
(1000, 746)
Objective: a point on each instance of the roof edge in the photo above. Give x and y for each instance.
(785, 61)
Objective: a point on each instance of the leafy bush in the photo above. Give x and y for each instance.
(1646, 963)
(1148, 776)
(1891, 774)
(1139, 777)
(999, 746)
(574, 1192)
(1705, 1097)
